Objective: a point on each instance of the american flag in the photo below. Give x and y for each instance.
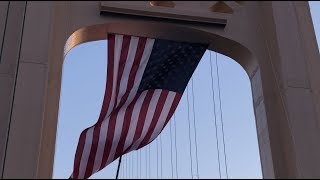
(145, 82)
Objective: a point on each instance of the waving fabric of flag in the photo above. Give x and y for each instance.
(145, 82)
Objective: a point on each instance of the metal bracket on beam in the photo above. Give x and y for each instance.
(145, 9)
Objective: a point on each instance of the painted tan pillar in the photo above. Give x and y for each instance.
(287, 104)
(273, 41)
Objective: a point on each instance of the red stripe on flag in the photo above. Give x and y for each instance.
(104, 109)
(111, 126)
(109, 81)
(96, 132)
(142, 118)
(93, 150)
(125, 128)
(135, 67)
(133, 72)
(114, 135)
(173, 108)
(124, 132)
(79, 152)
(128, 114)
(155, 118)
(111, 129)
(122, 62)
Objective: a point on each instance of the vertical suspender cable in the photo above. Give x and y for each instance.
(140, 175)
(137, 165)
(223, 140)
(124, 168)
(215, 116)
(131, 165)
(121, 169)
(149, 160)
(170, 125)
(195, 128)
(146, 169)
(137, 161)
(117, 175)
(157, 158)
(127, 166)
(130, 161)
(160, 157)
(175, 144)
(191, 169)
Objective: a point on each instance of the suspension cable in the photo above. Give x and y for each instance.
(149, 161)
(215, 116)
(157, 158)
(132, 162)
(122, 168)
(140, 164)
(129, 169)
(223, 140)
(127, 166)
(189, 133)
(131, 165)
(146, 169)
(137, 167)
(175, 144)
(160, 157)
(137, 164)
(170, 125)
(117, 175)
(195, 128)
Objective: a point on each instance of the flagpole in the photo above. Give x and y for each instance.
(118, 167)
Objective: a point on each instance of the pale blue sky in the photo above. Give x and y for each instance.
(82, 91)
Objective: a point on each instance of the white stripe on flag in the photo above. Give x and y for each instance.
(144, 60)
(121, 119)
(164, 114)
(123, 88)
(104, 128)
(117, 52)
(150, 113)
(127, 69)
(100, 148)
(134, 120)
(85, 154)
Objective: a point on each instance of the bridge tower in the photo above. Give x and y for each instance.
(273, 41)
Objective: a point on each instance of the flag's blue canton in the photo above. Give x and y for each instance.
(171, 65)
